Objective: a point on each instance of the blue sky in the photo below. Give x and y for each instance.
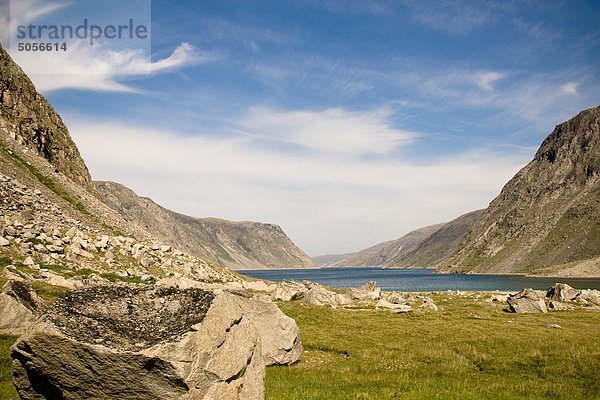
(346, 122)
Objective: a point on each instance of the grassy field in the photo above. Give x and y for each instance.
(468, 350)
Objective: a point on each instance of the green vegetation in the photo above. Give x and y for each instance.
(112, 277)
(48, 292)
(7, 390)
(468, 350)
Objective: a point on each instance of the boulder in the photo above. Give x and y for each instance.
(395, 308)
(289, 290)
(368, 291)
(259, 286)
(589, 296)
(400, 298)
(428, 305)
(559, 306)
(20, 307)
(526, 301)
(127, 342)
(3, 242)
(279, 334)
(317, 295)
(562, 292)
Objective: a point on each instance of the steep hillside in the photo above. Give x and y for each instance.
(547, 218)
(432, 251)
(383, 253)
(237, 245)
(27, 118)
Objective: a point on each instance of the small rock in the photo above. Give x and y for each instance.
(3, 242)
(553, 326)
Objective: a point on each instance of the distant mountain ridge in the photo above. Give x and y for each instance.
(381, 254)
(546, 220)
(426, 247)
(236, 245)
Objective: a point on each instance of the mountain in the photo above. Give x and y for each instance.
(432, 251)
(236, 245)
(381, 254)
(546, 220)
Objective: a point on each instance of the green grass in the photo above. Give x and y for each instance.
(468, 350)
(48, 292)
(7, 390)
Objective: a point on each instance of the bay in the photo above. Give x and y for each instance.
(417, 280)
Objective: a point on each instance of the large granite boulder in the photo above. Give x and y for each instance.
(279, 334)
(367, 292)
(562, 292)
(427, 304)
(289, 290)
(317, 295)
(123, 342)
(526, 301)
(20, 307)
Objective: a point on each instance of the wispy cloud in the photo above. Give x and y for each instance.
(99, 67)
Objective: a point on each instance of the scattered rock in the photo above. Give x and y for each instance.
(127, 342)
(552, 326)
(526, 301)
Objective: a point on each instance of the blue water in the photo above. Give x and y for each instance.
(416, 280)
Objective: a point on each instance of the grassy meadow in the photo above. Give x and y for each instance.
(470, 349)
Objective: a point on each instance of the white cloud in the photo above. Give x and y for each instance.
(485, 80)
(570, 88)
(332, 131)
(335, 202)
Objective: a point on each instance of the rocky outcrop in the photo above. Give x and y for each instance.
(20, 307)
(28, 119)
(279, 334)
(131, 343)
(526, 301)
(236, 245)
(547, 218)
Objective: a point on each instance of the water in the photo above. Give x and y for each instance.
(417, 280)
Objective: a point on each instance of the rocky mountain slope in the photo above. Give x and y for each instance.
(432, 251)
(236, 245)
(546, 220)
(383, 253)
(27, 118)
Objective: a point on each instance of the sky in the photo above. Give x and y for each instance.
(347, 123)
